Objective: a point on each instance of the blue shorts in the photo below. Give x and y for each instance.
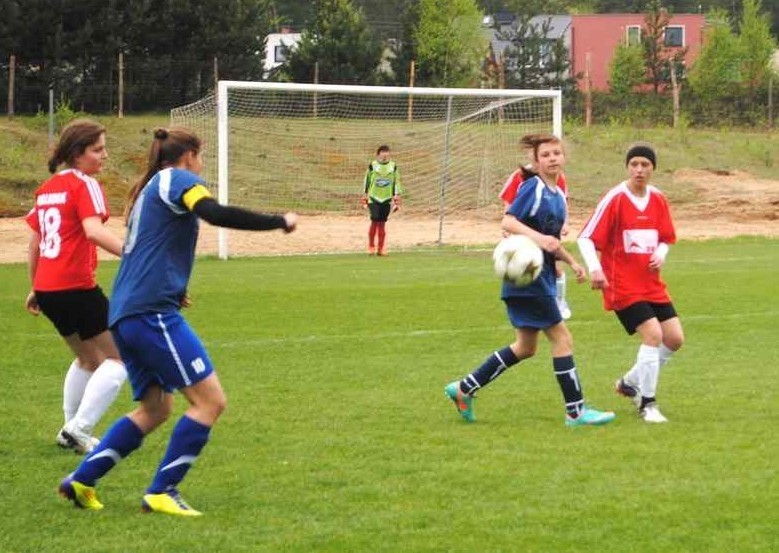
(538, 312)
(160, 348)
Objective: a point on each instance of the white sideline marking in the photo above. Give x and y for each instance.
(422, 333)
(606, 319)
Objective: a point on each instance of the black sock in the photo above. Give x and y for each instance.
(568, 379)
(491, 369)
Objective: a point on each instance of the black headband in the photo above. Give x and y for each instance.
(641, 151)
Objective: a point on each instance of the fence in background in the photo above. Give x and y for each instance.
(130, 84)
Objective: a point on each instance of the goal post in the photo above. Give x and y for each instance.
(306, 147)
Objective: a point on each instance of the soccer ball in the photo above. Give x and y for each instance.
(518, 259)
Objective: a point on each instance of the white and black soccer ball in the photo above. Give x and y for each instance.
(518, 259)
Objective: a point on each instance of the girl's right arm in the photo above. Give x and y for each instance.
(589, 253)
(33, 254)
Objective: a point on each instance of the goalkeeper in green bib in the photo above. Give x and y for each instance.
(381, 196)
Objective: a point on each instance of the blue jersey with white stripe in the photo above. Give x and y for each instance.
(159, 248)
(543, 209)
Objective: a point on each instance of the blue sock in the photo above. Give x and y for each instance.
(568, 380)
(491, 369)
(122, 438)
(186, 442)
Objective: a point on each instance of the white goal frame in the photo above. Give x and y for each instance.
(222, 103)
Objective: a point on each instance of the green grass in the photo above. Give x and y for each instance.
(338, 436)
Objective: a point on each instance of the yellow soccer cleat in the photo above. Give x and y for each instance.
(81, 495)
(170, 503)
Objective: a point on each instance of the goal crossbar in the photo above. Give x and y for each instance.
(466, 133)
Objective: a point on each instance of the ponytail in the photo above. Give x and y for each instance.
(167, 148)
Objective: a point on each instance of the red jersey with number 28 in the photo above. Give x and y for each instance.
(626, 230)
(67, 258)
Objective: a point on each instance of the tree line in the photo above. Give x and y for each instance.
(173, 50)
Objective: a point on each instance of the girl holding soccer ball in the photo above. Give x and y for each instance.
(538, 212)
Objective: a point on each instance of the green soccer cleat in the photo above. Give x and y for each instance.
(463, 402)
(590, 417)
(170, 503)
(82, 496)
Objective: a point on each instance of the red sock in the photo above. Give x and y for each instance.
(372, 234)
(382, 234)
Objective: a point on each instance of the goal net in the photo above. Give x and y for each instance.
(306, 147)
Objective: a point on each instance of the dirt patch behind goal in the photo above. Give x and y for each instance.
(728, 205)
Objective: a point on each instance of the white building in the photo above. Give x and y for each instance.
(276, 45)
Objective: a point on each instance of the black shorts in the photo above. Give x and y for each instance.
(71, 311)
(633, 315)
(380, 211)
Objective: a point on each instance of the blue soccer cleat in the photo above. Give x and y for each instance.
(590, 417)
(463, 402)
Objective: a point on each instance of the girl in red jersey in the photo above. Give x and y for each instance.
(67, 222)
(509, 193)
(632, 228)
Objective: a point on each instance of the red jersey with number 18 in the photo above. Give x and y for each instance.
(67, 258)
(626, 230)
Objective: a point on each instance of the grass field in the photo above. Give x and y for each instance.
(338, 436)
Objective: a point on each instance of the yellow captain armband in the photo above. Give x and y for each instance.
(194, 195)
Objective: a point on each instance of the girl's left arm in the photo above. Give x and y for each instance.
(563, 255)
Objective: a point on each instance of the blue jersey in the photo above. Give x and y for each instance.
(159, 249)
(543, 209)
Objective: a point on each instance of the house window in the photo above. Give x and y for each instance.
(545, 54)
(633, 36)
(674, 36)
(280, 53)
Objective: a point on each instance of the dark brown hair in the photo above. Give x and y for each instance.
(382, 148)
(167, 148)
(74, 140)
(527, 141)
(535, 140)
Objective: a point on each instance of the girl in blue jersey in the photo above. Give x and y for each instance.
(162, 353)
(539, 212)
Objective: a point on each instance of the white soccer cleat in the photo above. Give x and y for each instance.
(70, 438)
(651, 413)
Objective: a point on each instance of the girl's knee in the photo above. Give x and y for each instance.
(674, 343)
(220, 405)
(523, 351)
(212, 409)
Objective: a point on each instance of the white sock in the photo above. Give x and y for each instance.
(561, 286)
(100, 393)
(648, 360)
(665, 355)
(73, 389)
